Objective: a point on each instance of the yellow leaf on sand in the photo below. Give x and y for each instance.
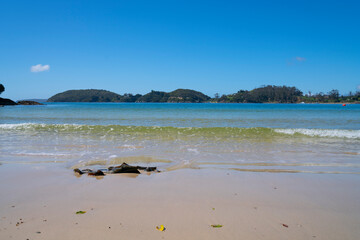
(161, 228)
(216, 226)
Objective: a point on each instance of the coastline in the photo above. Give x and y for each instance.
(187, 202)
(259, 171)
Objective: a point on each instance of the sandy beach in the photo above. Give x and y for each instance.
(240, 120)
(40, 202)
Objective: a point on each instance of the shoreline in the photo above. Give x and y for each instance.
(187, 202)
(45, 103)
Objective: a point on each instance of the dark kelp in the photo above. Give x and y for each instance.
(123, 168)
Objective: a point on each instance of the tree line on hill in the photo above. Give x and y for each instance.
(285, 94)
(263, 94)
(278, 94)
(94, 95)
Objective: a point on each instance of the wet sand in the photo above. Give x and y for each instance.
(40, 201)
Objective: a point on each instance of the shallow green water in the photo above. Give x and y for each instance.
(273, 138)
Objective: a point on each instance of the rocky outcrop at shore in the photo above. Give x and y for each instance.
(29, 103)
(123, 168)
(6, 101)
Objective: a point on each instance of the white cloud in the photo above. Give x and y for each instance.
(300, 59)
(358, 87)
(40, 68)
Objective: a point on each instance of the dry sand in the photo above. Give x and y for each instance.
(40, 202)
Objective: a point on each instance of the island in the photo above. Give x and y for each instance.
(96, 95)
(263, 94)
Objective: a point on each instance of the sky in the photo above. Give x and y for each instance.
(47, 47)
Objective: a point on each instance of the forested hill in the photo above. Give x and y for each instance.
(177, 96)
(264, 94)
(285, 94)
(94, 95)
(88, 95)
(187, 95)
(278, 94)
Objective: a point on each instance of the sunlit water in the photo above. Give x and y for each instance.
(313, 138)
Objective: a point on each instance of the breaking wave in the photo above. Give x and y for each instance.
(332, 133)
(188, 132)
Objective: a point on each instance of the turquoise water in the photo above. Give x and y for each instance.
(311, 138)
(325, 116)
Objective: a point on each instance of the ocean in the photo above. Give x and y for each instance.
(272, 138)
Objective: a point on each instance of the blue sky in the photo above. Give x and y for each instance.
(210, 46)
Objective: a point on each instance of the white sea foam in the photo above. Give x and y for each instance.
(129, 147)
(193, 150)
(31, 125)
(14, 126)
(335, 133)
(43, 154)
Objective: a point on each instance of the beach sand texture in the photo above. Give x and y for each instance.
(261, 171)
(40, 202)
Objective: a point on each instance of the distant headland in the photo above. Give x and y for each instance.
(6, 101)
(264, 94)
(94, 95)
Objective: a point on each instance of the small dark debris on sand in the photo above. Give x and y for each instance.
(78, 171)
(97, 173)
(123, 168)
